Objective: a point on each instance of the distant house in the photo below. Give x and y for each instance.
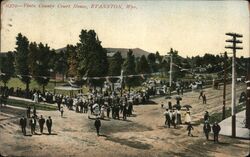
(110, 54)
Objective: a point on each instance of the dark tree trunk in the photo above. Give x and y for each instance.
(27, 90)
(43, 89)
(63, 77)
(27, 86)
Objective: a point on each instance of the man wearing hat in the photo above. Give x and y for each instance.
(206, 116)
(216, 129)
(49, 124)
(167, 118)
(23, 122)
(97, 125)
(207, 129)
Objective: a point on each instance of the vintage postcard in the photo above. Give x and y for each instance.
(124, 78)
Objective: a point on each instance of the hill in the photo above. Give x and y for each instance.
(137, 51)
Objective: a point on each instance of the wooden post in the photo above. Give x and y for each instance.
(234, 41)
(247, 124)
(224, 89)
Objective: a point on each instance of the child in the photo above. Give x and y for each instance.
(189, 128)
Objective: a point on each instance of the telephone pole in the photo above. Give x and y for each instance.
(171, 70)
(248, 97)
(234, 41)
(121, 78)
(224, 88)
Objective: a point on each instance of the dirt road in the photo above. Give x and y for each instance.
(144, 134)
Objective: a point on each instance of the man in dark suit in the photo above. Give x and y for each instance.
(207, 129)
(206, 116)
(23, 123)
(204, 98)
(167, 118)
(173, 119)
(33, 125)
(59, 101)
(49, 124)
(41, 123)
(216, 129)
(97, 125)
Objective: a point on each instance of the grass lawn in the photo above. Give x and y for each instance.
(15, 82)
(24, 104)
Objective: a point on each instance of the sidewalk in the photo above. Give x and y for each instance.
(23, 99)
(241, 131)
(29, 100)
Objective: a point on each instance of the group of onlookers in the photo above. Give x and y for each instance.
(173, 117)
(32, 122)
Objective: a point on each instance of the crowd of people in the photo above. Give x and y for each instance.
(173, 118)
(32, 94)
(106, 104)
(96, 104)
(110, 105)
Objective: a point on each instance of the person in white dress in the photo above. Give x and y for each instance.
(187, 117)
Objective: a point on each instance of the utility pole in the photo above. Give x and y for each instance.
(248, 97)
(171, 69)
(121, 78)
(224, 88)
(234, 41)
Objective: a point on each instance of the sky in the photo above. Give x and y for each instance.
(190, 27)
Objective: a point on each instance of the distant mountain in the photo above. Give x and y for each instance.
(60, 49)
(136, 51)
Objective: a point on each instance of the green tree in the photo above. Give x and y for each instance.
(41, 66)
(61, 64)
(158, 57)
(33, 56)
(71, 55)
(115, 65)
(21, 59)
(152, 62)
(92, 57)
(7, 67)
(129, 69)
(159, 62)
(143, 66)
(177, 65)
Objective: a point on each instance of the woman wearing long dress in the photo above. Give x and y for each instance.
(188, 118)
(102, 112)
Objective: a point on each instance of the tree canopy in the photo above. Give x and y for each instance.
(7, 67)
(21, 59)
